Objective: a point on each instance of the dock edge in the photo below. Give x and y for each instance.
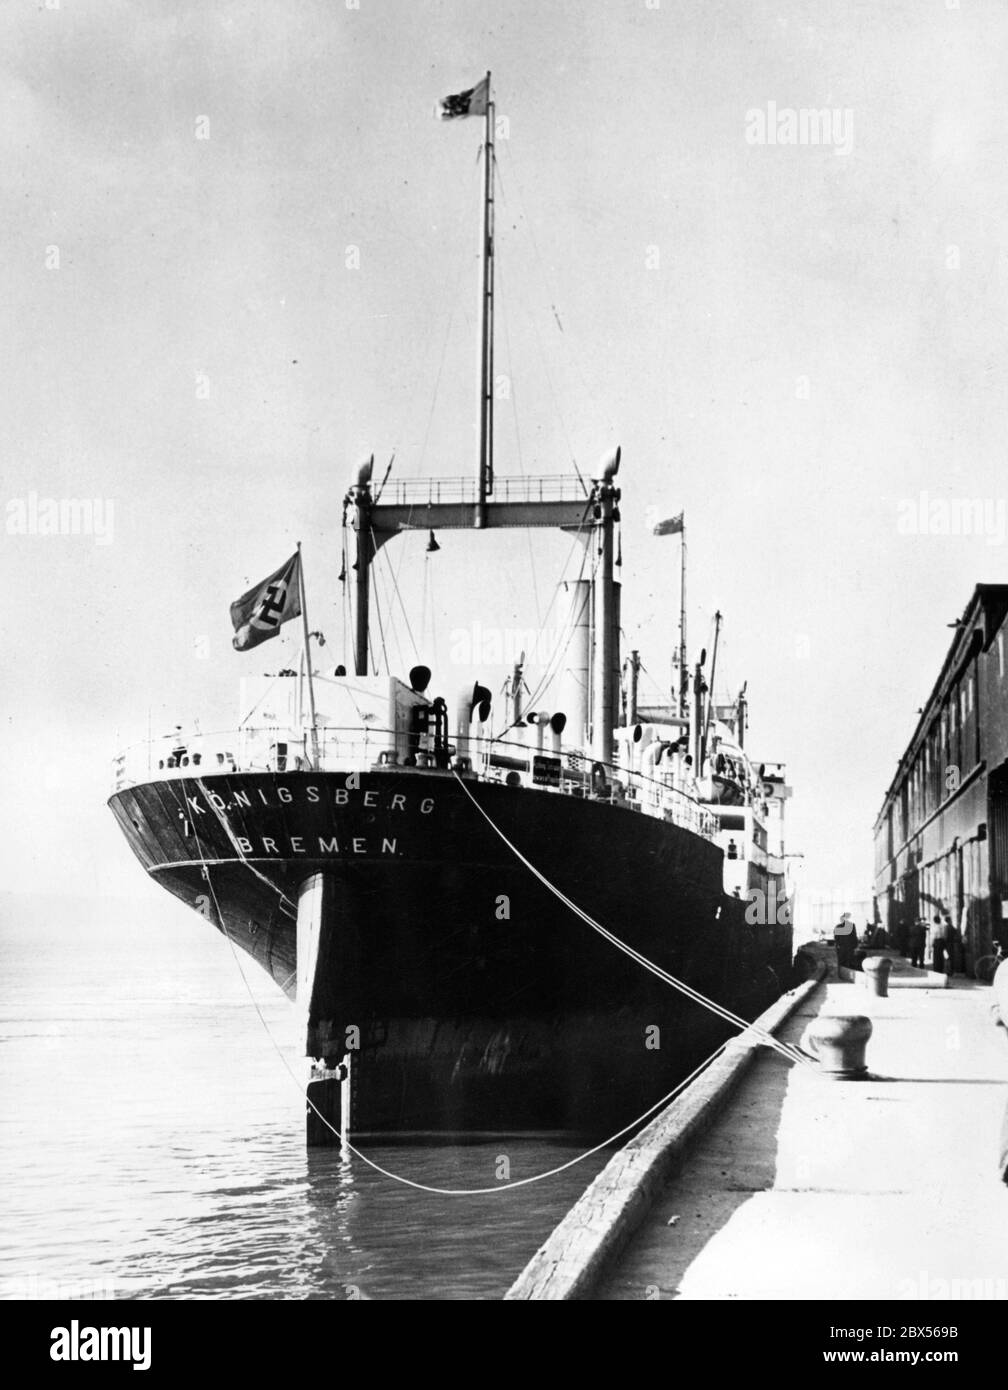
(596, 1229)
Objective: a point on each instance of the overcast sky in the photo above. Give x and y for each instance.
(238, 254)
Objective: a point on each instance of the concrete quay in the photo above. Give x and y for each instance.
(803, 1187)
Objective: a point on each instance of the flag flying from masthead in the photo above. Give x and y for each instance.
(470, 103)
(672, 527)
(257, 615)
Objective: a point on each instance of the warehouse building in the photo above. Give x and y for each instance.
(941, 837)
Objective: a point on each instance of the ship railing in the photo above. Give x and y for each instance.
(657, 796)
(423, 492)
(280, 748)
(277, 748)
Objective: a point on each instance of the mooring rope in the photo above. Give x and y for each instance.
(506, 1185)
(726, 1014)
(286, 904)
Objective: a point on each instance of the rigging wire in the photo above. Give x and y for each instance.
(452, 299)
(550, 675)
(393, 628)
(425, 584)
(592, 395)
(514, 412)
(286, 905)
(428, 605)
(345, 599)
(381, 628)
(394, 586)
(546, 370)
(463, 261)
(385, 478)
(246, 717)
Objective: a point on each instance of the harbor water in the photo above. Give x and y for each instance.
(153, 1139)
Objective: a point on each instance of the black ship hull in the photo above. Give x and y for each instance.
(469, 996)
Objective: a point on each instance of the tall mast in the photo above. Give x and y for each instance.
(710, 694)
(359, 497)
(604, 499)
(589, 517)
(683, 673)
(740, 721)
(306, 656)
(485, 477)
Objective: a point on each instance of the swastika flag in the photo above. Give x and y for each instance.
(258, 614)
(470, 103)
(672, 526)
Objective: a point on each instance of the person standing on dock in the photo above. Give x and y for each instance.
(918, 940)
(955, 948)
(938, 945)
(845, 939)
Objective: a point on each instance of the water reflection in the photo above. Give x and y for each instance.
(153, 1145)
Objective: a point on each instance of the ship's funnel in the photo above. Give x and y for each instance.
(645, 734)
(540, 719)
(557, 725)
(474, 702)
(462, 709)
(480, 703)
(644, 737)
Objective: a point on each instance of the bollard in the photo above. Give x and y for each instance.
(876, 970)
(838, 1043)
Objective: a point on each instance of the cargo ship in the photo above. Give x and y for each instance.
(462, 894)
